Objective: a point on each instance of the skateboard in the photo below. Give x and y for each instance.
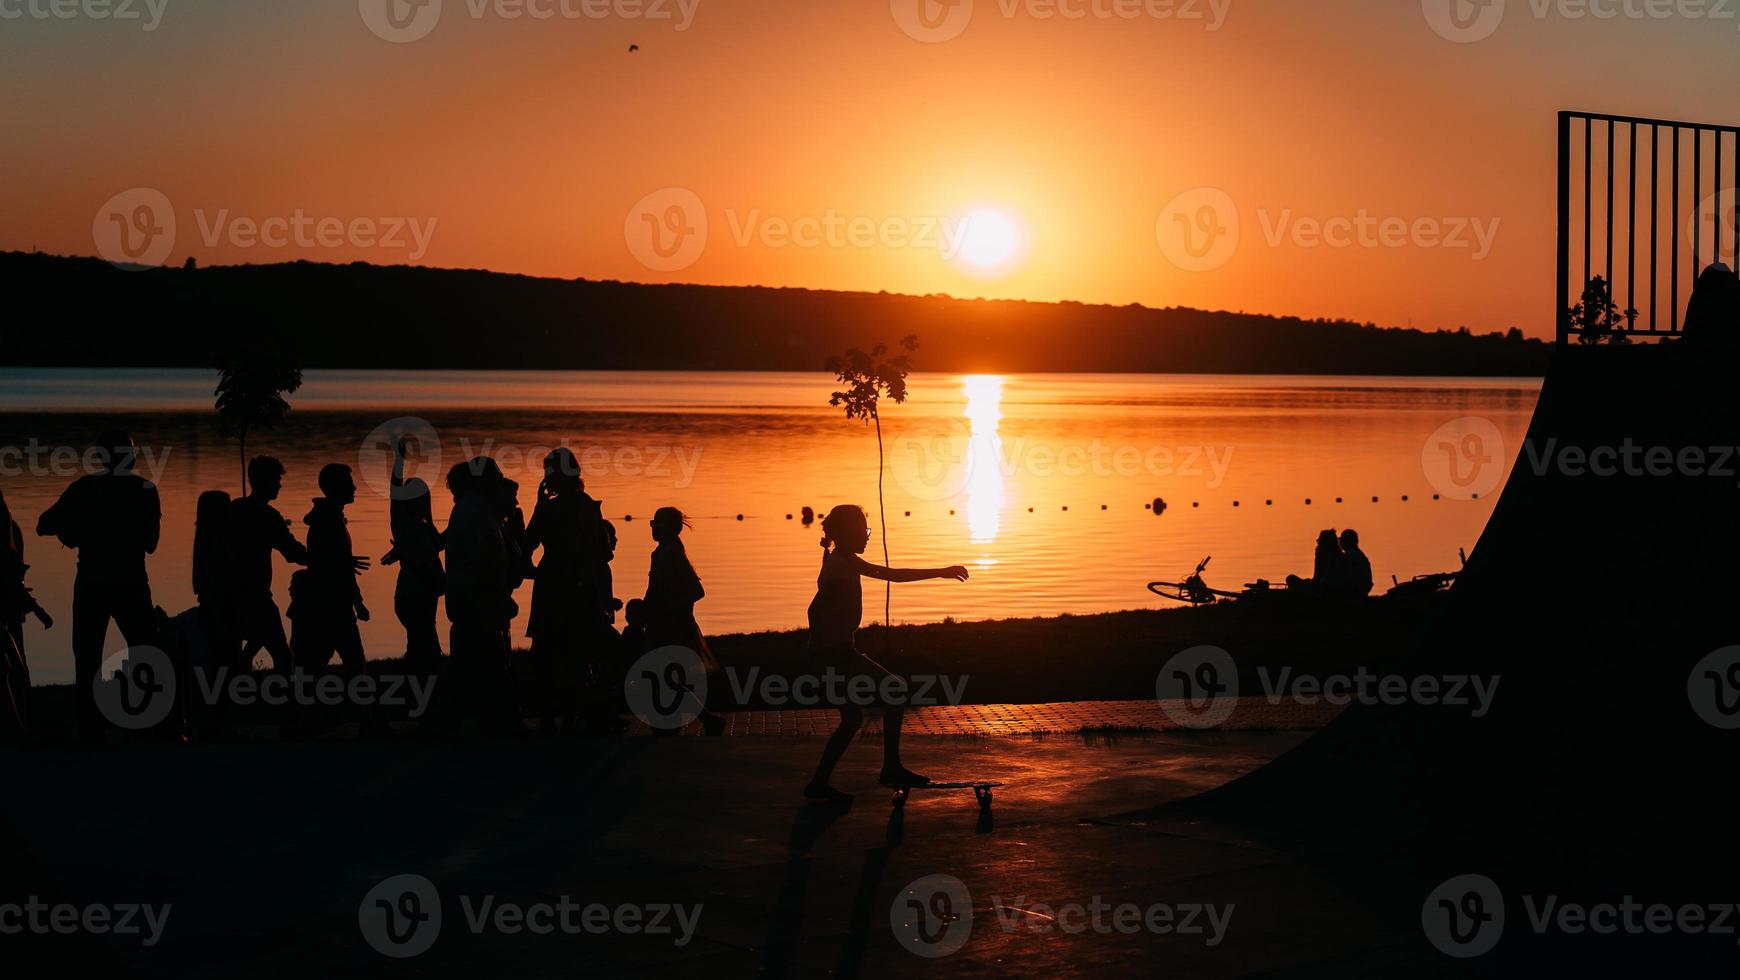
(981, 791)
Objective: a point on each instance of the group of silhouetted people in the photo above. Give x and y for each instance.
(113, 518)
(1339, 569)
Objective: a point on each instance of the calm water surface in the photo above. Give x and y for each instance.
(1036, 482)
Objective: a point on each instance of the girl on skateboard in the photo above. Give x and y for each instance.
(835, 614)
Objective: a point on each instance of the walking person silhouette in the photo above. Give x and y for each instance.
(114, 518)
(256, 530)
(672, 589)
(835, 614)
(15, 603)
(417, 551)
(571, 588)
(480, 599)
(325, 602)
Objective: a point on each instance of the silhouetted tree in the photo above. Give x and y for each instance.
(250, 395)
(868, 376)
(1597, 319)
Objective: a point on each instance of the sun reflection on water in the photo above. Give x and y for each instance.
(984, 457)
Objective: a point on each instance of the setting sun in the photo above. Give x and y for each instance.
(989, 241)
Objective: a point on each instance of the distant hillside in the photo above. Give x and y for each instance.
(86, 312)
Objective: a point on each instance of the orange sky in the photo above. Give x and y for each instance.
(524, 144)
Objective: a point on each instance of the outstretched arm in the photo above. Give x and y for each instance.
(868, 570)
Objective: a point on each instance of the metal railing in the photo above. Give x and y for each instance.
(1680, 167)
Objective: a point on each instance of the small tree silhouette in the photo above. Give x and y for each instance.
(1597, 319)
(250, 395)
(868, 377)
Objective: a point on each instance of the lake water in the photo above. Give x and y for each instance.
(1038, 483)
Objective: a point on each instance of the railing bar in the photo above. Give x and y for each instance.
(1588, 200)
(1609, 239)
(1716, 215)
(1561, 321)
(1674, 244)
(1697, 199)
(1631, 237)
(1611, 117)
(1654, 225)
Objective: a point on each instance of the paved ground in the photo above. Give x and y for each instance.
(1063, 718)
(266, 850)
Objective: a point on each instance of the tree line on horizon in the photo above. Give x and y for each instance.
(87, 312)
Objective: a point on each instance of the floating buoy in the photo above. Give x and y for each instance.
(1102, 507)
(951, 513)
(908, 513)
(1404, 498)
(1307, 501)
(629, 518)
(1338, 500)
(1159, 506)
(788, 517)
(1195, 503)
(740, 517)
(1374, 500)
(1477, 496)
(1065, 506)
(1029, 510)
(1235, 503)
(1268, 503)
(1434, 496)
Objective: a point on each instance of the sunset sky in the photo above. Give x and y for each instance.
(544, 146)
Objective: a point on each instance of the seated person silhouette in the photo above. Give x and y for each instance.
(1355, 567)
(1713, 313)
(1328, 569)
